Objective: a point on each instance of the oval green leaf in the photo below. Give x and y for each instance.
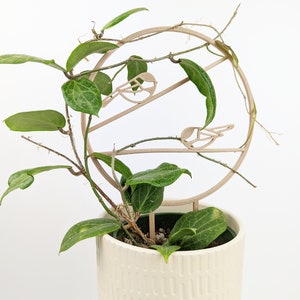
(119, 166)
(166, 250)
(136, 66)
(204, 84)
(87, 229)
(41, 120)
(82, 95)
(209, 223)
(164, 175)
(24, 178)
(24, 58)
(146, 198)
(103, 83)
(85, 49)
(179, 234)
(121, 17)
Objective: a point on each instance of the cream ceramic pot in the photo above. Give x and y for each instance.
(127, 272)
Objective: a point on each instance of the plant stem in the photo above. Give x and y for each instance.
(53, 151)
(227, 167)
(132, 145)
(71, 135)
(96, 189)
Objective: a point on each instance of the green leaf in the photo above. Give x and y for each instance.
(82, 95)
(103, 83)
(136, 66)
(121, 17)
(41, 120)
(146, 198)
(85, 49)
(119, 166)
(209, 223)
(165, 174)
(166, 250)
(87, 229)
(23, 179)
(24, 58)
(180, 234)
(228, 51)
(204, 84)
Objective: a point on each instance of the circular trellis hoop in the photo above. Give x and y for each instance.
(226, 56)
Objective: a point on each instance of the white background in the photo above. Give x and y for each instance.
(33, 222)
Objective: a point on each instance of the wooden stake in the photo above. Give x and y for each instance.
(152, 226)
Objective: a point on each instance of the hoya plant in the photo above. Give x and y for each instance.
(141, 192)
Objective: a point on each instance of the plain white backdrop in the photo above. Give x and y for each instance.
(33, 222)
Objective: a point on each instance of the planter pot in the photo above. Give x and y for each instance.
(131, 273)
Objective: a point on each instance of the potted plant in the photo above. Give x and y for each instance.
(196, 251)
